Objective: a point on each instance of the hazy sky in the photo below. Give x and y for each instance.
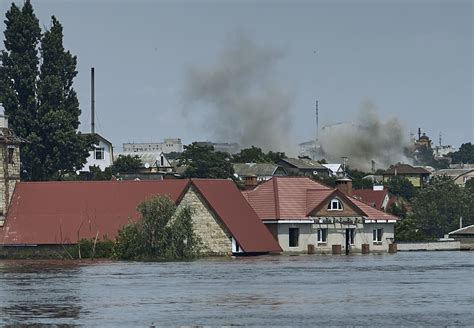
(413, 59)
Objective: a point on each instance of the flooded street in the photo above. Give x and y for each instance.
(405, 289)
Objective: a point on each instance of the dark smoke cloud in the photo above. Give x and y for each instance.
(368, 139)
(244, 102)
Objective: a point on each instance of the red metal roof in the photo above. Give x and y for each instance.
(65, 212)
(296, 197)
(371, 197)
(237, 215)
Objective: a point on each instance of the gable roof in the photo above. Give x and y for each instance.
(65, 212)
(468, 230)
(405, 169)
(453, 173)
(304, 164)
(98, 136)
(372, 197)
(237, 215)
(296, 197)
(254, 169)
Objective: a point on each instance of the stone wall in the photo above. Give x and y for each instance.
(9, 175)
(215, 237)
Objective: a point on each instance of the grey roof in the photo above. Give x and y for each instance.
(254, 169)
(469, 230)
(9, 137)
(303, 163)
(453, 173)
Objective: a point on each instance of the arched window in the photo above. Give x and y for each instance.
(335, 205)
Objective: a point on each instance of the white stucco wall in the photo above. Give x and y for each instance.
(336, 236)
(103, 163)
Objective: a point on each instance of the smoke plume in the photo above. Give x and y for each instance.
(366, 140)
(242, 101)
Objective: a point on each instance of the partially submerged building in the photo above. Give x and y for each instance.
(45, 215)
(306, 216)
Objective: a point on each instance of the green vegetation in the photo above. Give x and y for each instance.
(358, 181)
(203, 162)
(465, 154)
(40, 100)
(400, 186)
(436, 210)
(256, 155)
(162, 232)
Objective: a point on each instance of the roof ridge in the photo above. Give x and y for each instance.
(277, 199)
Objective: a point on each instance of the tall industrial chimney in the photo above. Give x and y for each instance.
(92, 102)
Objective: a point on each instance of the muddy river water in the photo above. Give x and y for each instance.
(404, 289)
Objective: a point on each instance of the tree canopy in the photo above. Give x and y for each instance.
(40, 100)
(162, 232)
(438, 208)
(201, 161)
(256, 155)
(400, 186)
(465, 154)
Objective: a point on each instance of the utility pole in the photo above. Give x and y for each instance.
(317, 121)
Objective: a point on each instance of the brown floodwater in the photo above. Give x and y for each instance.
(404, 289)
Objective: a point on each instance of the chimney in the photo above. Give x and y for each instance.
(345, 186)
(250, 182)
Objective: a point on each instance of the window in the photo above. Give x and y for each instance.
(335, 205)
(294, 234)
(11, 152)
(322, 235)
(377, 235)
(99, 153)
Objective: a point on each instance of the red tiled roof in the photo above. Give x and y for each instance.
(296, 197)
(371, 197)
(65, 212)
(373, 213)
(237, 215)
(286, 197)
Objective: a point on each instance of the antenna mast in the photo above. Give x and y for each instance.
(92, 102)
(317, 121)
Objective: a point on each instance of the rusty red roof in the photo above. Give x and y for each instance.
(65, 212)
(237, 215)
(295, 197)
(371, 197)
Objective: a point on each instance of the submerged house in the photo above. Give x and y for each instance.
(54, 214)
(306, 216)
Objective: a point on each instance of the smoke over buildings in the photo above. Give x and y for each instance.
(240, 98)
(369, 138)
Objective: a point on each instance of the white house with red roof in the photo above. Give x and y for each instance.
(304, 215)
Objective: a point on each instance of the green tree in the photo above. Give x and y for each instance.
(201, 161)
(470, 186)
(41, 104)
(358, 181)
(63, 149)
(251, 155)
(18, 76)
(465, 154)
(126, 164)
(162, 232)
(407, 230)
(438, 207)
(400, 186)
(275, 156)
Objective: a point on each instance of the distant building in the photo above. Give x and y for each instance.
(254, 173)
(311, 149)
(168, 145)
(10, 167)
(335, 170)
(460, 176)
(377, 197)
(418, 176)
(231, 148)
(303, 166)
(102, 155)
(465, 236)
